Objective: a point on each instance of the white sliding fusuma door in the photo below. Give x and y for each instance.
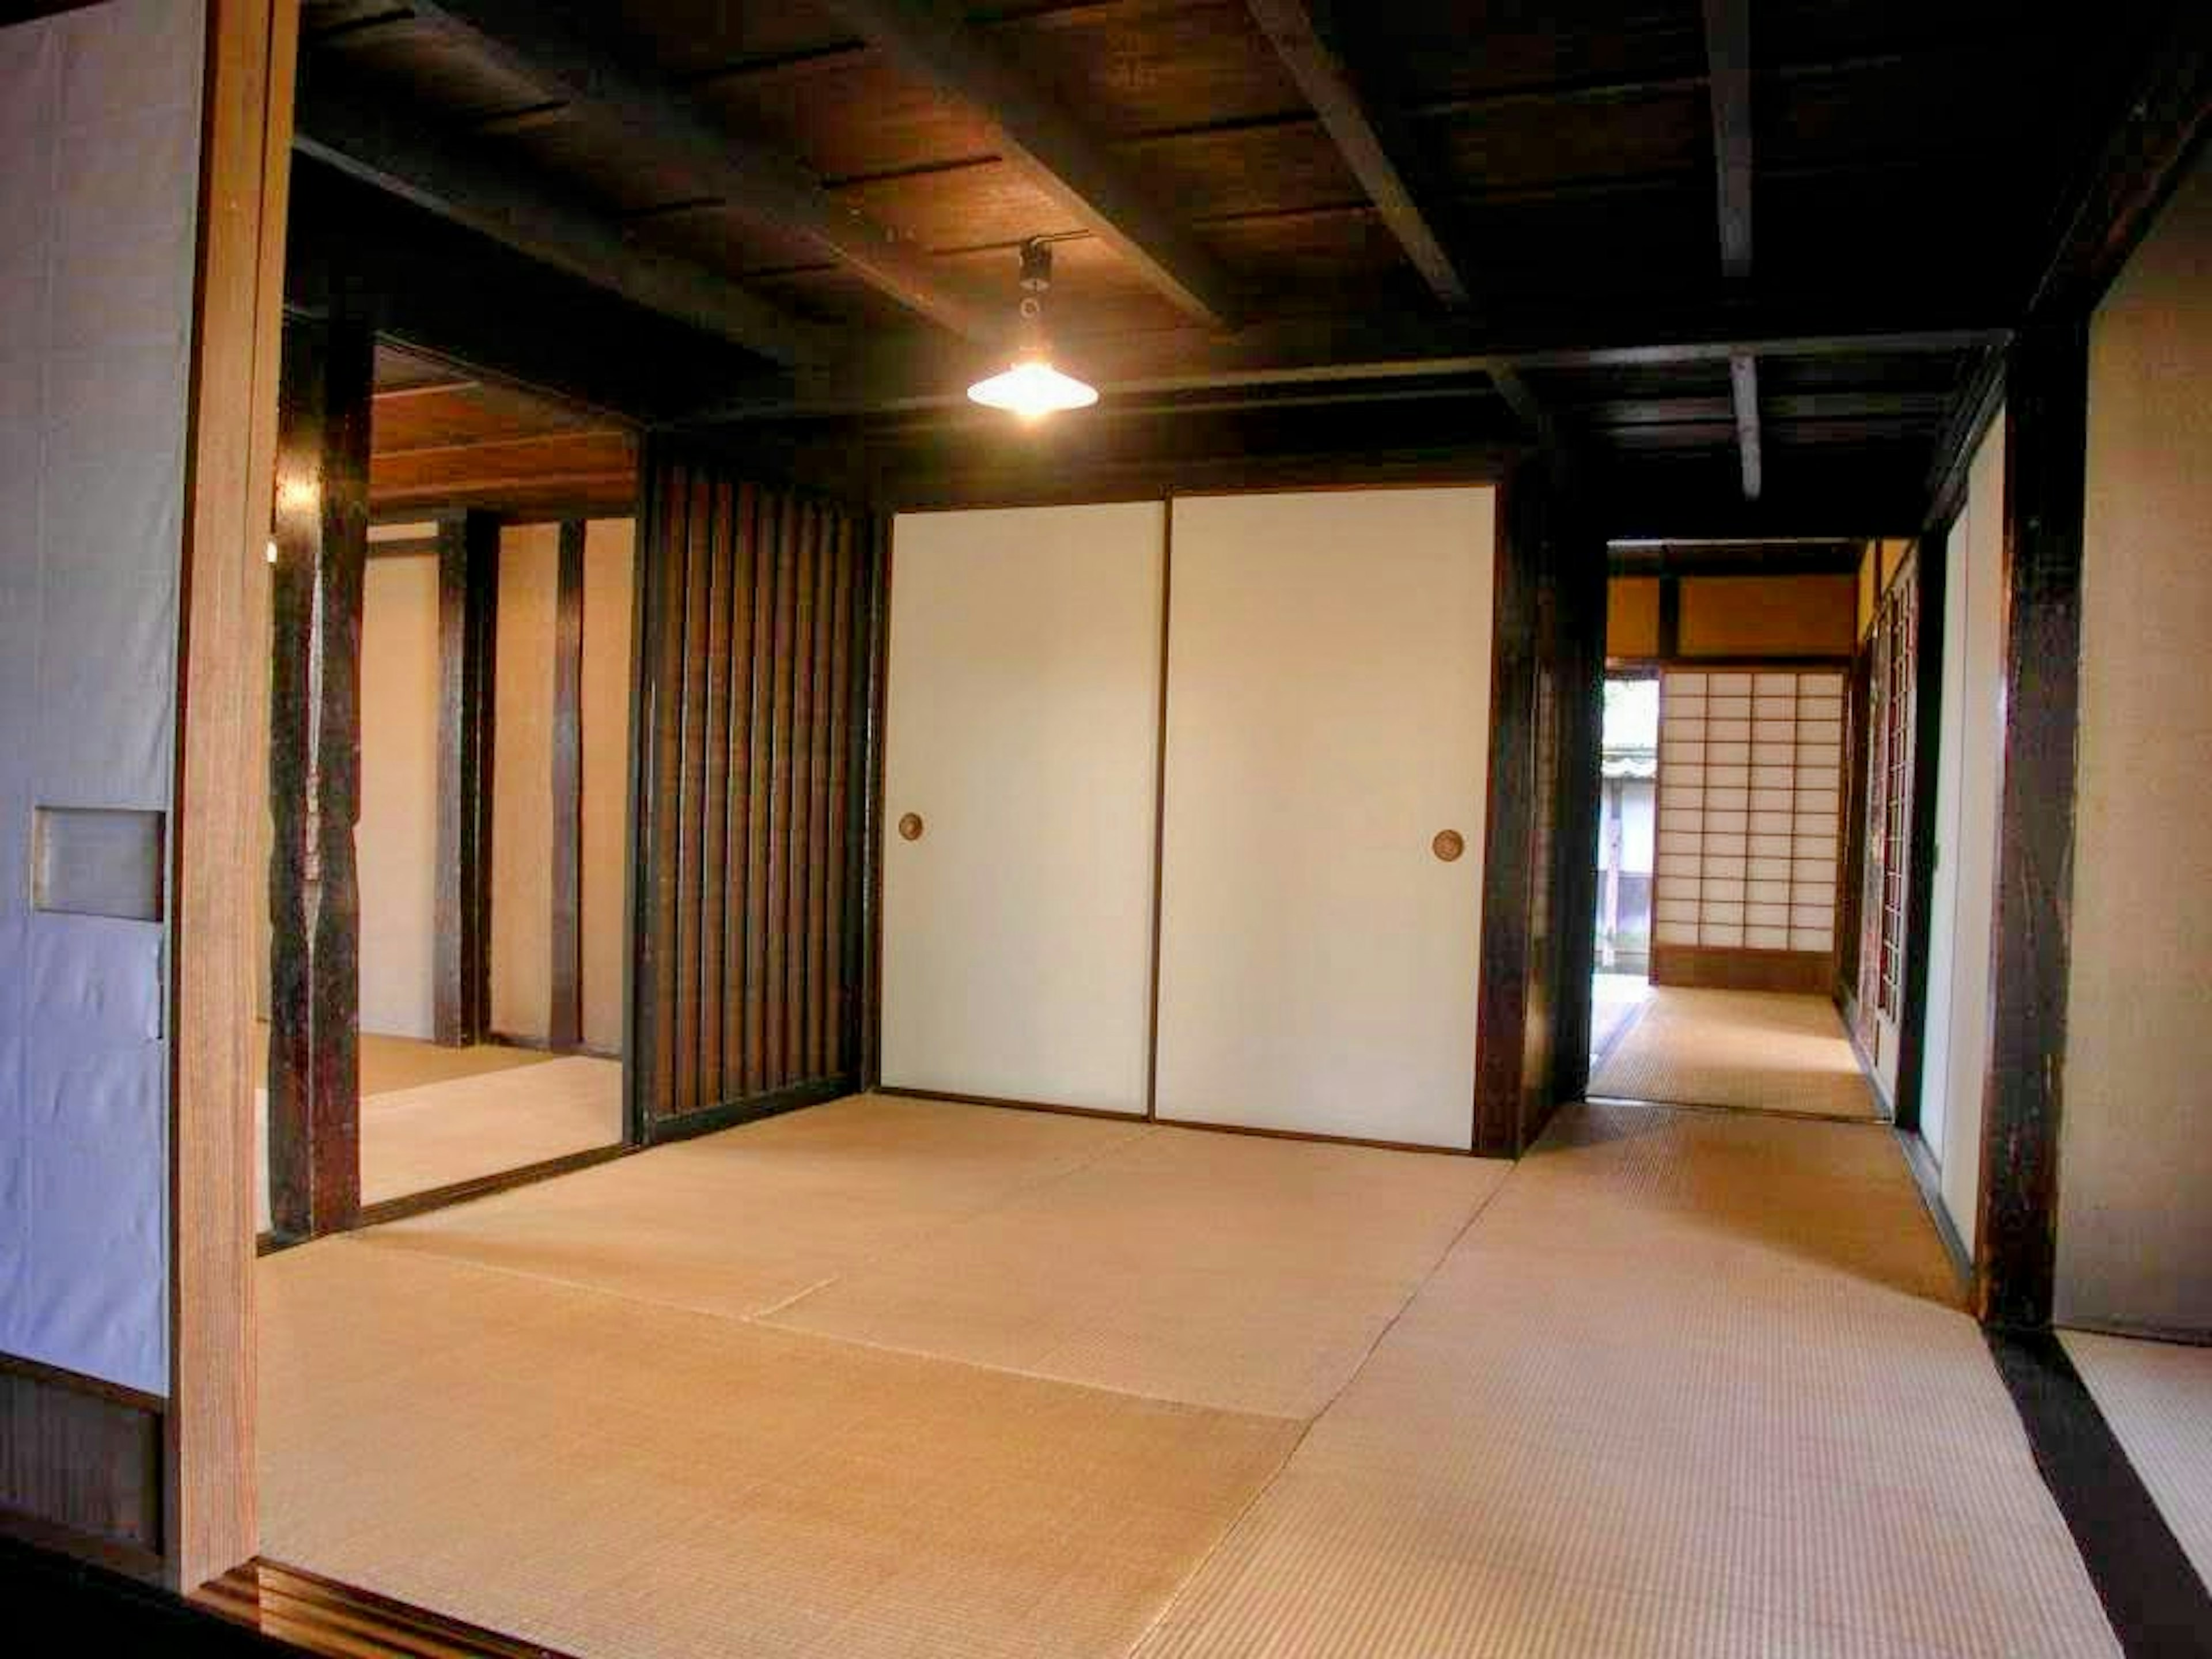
(1327, 722)
(1020, 786)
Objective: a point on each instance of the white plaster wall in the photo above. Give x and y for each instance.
(1955, 1058)
(397, 842)
(2135, 1223)
(99, 155)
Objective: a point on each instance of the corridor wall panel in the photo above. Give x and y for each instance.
(1955, 1049)
(398, 836)
(100, 165)
(522, 780)
(1022, 731)
(755, 767)
(1329, 663)
(2134, 1219)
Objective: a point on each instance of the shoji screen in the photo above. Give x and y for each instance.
(1750, 809)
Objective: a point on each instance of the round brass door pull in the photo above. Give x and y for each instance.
(909, 827)
(1449, 845)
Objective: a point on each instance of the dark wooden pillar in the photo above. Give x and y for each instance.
(565, 1019)
(468, 613)
(321, 538)
(2046, 451)
(1930, 590)
(1579, 662)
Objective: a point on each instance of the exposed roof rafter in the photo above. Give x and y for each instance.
(935, 42)
(533, 44)
(389, 148)
(1728, 56)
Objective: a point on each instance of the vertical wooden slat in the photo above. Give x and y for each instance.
(673, 499)
(468, 588)
(690, 812)
(866, 933)
(833, 1051)
(824, 837)
(714, 802)
(775, 909)
(799, 868)
(564, 1017)
(760, 794)
(737, 891)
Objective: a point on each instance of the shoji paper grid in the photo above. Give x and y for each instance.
(1750, 808)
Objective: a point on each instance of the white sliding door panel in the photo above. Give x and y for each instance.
(1328, 692)
(1023, 729)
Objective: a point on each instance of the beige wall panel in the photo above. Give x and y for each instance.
(2135, 1232)
(1632, 617)
(1769, 616)
(1955, 1055)
(1022, 726)
(1329, 691)
(1867, 592)
(609, 575)
(522, 781)
(396, 843)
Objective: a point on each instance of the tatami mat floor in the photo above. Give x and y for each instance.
(907, 1377)
(470, 1122)
(2157, 1398)
(1747, 1048)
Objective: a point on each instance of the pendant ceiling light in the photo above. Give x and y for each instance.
(1033, 388)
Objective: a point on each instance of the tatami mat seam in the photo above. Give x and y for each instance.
(1275, 1475)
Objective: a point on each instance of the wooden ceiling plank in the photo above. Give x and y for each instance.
(528, 41)
(1321, 73)
(387, 146)
(933, 42)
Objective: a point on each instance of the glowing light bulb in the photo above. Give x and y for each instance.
(1032, 389)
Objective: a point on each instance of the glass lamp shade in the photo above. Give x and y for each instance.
(1032, 388)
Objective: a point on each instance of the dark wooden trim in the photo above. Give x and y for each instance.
(1931, 579)
(1973, 411)
(528, 41)
(468, 600)
(387, 145)
(2031, 951)
(1037, 131)
(1728, 65)
(1722, 664)
(731, 1114)
(1374, 151)
(959, 1099)
(564, 1018)
(1858, 843)
(1735, 967)
(314, 1615)
(1670, 621)
(1928, 1177)
(461, 1192)
(868, 1017)
(1579, 580)
(639, 959)
(2158, 123)
(85, 1457)
(321, 534)
(1509, 881)
(2159, 1607)
(1862, 1119)
(33, 1533)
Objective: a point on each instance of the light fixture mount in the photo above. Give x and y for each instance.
(1032, 387)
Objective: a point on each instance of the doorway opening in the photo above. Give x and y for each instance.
(1723, 798)
(442, 847)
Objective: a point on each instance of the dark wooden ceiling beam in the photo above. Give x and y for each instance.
(1384, 346)
(388, 146)
(933, 42)
(1728, 61)
(1352, 124)
(532, 43)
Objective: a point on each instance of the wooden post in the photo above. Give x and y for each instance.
(468, 601)
(2046, 446)
(321, 537)
(565, 1019)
